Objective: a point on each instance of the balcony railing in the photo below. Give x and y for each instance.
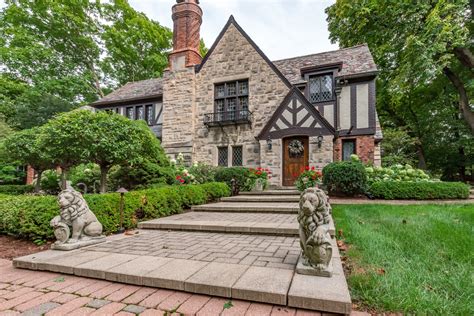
(228, 118)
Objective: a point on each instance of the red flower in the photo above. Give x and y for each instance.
(259, 173)
(181, 180)
(178, 177)
(306, 168)
(312, 168)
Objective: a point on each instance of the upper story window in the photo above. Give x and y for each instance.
(320, 88)
(141, 112)
(232, 98)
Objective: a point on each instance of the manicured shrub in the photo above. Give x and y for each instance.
(345, 178)
(396, 172)
(140, 176)
(308, 178)
(28, 216)
(11, 175)
(239, 174)
(390, 190)
(16, 189)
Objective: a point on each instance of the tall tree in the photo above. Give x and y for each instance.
(79, 50)
(413, 42)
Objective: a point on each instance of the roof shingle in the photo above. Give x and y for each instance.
(355, 60)
(134, 91)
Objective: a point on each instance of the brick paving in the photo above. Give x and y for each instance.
(17, 298)
(256, 250)
(234, 217)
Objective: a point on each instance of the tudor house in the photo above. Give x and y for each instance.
(235, 107)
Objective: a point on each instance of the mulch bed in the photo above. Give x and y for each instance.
(11, 247)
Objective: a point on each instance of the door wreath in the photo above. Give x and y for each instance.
(296, 147)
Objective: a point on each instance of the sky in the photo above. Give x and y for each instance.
(281, 28)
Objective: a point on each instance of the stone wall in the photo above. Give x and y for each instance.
(178, 112)
(365, 148)
(235, 58)
(320, 156)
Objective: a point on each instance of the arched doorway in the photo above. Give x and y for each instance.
(295, 158)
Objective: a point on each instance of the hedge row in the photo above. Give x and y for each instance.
(404, 190)
(15, 189)
(29, 216)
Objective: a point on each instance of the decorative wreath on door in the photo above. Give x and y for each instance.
(296, 147)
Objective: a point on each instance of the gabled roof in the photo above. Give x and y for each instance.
(355, 60)
(133, 91)
(296, 116)
(230, 22)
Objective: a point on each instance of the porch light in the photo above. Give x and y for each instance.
(269, 144)
(122, 192)
(320, 141)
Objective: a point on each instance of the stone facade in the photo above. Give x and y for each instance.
(235, 58)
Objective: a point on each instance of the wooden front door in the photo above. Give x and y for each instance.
(295, 158)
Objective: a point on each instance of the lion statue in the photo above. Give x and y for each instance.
(75, 213)
(315, 240)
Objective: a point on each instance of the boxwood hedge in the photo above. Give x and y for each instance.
(15, 189)
(427, 190)
(28, 216)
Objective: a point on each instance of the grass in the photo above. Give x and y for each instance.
(415, 259)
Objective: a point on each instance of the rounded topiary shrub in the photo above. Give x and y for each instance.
(345, 178)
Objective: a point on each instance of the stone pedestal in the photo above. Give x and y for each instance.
(78, 244)
(301, 268)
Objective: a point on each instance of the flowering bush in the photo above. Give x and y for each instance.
(254, 175)
(396, 173)
(309, 177)
(184, 177)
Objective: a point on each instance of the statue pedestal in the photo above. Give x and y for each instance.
(78, 244)
(309, 270)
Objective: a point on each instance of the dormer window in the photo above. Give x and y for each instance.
(320, 88)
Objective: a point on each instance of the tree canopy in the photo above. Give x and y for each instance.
(74, 51)
(423, 50)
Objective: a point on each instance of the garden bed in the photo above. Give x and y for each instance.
(411, 259)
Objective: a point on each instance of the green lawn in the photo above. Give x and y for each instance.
(415, 259)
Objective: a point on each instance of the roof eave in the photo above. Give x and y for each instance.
(112, 102)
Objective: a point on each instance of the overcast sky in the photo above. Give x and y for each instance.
(281, 28)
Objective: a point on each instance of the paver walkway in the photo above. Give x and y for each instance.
(44, 293)
(238, 250)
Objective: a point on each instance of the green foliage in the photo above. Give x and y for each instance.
(15, 189)
(404, 190)
(88, 174)
(309, 178)
(398, 147)
(29, 216)
(10, 174)
(345, 177)
(141, 175)
(409, 259)
(203, 173)
(202, 48)
(245, 178)
(396, 173)
(50, 181)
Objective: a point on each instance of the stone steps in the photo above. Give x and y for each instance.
(247, 223)
(262, 198)
(248, 207)
(272, 192)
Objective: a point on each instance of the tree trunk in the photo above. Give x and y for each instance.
(464, 108)
(421, 156)
(63, 178)
(103, 178)
(38, 181)
(465, 56)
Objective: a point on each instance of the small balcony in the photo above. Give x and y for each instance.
(228, 118)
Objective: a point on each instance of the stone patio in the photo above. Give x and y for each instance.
(248, 255)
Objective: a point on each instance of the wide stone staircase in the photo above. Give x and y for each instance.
(243, 247)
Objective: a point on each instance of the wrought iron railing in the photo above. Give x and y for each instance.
(228, 117)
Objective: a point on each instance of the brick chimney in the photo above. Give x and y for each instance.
(187, 19)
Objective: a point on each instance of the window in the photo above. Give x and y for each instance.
(348, 149)
(320, 88)
(232, 100)
(139, 113)
(149, 114)
(130, 113)
(237, 156)
(222, 156)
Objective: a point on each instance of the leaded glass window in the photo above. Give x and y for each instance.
(139, 113)
(222, 156)
(232, 100)
(348, 149)
(149, 114)
(237, 156)
(130, 113)
(320, 88)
